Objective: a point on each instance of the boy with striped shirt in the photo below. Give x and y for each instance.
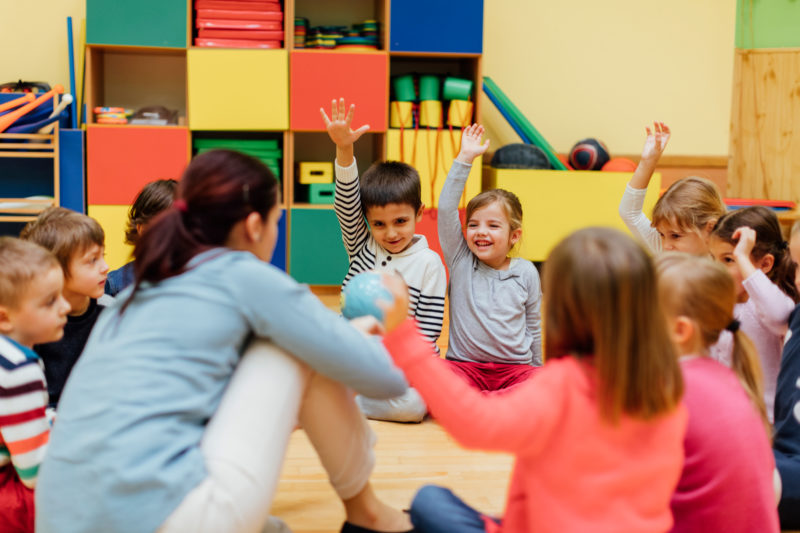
(388, 196)
(32, 310)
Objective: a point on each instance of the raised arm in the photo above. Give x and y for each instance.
(451, 237)
(630, 208)
(772, 305)
(347, 198)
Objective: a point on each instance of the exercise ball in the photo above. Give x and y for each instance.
(588, 154)
(520, 155)
(619, 164)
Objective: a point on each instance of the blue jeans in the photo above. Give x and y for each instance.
(438, 510)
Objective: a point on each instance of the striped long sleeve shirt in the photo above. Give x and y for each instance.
(420, 267)
(24, 426)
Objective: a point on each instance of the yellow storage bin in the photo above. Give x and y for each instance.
(432, 152)
(114, 220)
(315, 172)
(557, 202)
(234, 89)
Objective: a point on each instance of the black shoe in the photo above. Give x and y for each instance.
(347, 527)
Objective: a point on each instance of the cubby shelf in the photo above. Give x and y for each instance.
(242, 93)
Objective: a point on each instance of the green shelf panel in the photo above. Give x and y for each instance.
(140, 23)
(317, 255)
(767, 24)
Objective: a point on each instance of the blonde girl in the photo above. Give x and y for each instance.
(749, 243)
(597, 434)
(727, 479)
(495, 329)
(683, 216)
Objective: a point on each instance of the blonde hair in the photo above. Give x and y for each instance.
(21, 263)
(507, 199)
(795, 228)
(600, 291)
(691, 204)
(703, 291)
(64, 232)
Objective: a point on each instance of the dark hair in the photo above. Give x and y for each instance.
(154, 198)
(218, 189)
(602, 304)
(390, 182)
(65, 233)
(769, 240)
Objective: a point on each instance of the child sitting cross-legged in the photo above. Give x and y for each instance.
(495, 325)
(388, 195)
(32, 310)
(77, 241)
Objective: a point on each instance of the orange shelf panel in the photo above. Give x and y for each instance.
(122, 160)
(316, 79)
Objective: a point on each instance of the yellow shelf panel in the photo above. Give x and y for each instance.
(114, 220)
(231, 89)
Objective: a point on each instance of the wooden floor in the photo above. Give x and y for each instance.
(407, 457)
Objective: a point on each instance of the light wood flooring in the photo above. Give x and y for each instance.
(407, 457)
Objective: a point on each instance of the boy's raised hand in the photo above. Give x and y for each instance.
(656, 142)
(471, 146)
(338, 125)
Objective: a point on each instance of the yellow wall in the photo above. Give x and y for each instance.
(604, 69)
(575, 68)
(33, 38)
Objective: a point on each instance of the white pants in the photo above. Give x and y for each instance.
(245, 442)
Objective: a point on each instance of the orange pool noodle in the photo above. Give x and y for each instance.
(9, 118)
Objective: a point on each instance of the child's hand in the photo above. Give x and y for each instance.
(338, 125)
(656, 142)
(471, 146)
(368, 325)
(746, 241)
(396, 311)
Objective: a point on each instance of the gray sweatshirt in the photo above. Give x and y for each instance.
(494, 314)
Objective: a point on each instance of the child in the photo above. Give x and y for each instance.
(77, 241)
(32, 310)
(794, 250)
(389, 196)
(727, 479)
(168, 423)
(683, 216)
(154, 198)
(749, 243)
(495, 328)
(786, 446)
(597, 434)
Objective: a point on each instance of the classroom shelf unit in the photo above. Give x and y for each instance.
(272, 96)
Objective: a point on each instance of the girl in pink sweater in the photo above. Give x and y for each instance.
(727, 479)
(598, 432)
(749, 243)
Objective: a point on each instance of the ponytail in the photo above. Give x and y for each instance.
(703, 291)
(218, 189)
(747, 368)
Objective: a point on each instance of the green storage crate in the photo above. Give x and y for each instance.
(320, 193)
(316, 254)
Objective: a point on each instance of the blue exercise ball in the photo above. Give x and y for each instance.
(588, 154)
(361, 294)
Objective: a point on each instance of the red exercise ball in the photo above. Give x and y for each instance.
(619, 164)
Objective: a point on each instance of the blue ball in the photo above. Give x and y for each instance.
(361, 293)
